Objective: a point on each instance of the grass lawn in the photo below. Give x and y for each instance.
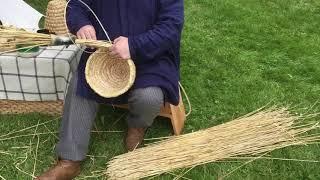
(237, 55)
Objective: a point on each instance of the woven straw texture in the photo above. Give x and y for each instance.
(109, 76)
(21, 107)
(55, 21)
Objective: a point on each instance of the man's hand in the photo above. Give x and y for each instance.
(120, 48)
(87, 32)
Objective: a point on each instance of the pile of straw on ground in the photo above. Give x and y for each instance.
(253, 134)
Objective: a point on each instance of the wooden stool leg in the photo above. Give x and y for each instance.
(178, 116)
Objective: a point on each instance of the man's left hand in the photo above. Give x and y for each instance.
(120, 48)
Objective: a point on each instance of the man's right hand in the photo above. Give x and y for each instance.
(87, 32)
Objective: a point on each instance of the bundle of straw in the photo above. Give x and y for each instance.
(254, 134)
(11, 37)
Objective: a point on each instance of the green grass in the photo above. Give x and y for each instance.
(237, 55)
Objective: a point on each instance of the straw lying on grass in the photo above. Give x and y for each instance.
(10, 37)
(253, 134)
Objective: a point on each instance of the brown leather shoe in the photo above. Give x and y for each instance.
(134, 138)
(63, 170)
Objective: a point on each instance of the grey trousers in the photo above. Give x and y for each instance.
(79, 114)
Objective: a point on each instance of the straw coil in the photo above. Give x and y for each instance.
(253, 135)
(109, 76)
(93, 43)
(55, 21)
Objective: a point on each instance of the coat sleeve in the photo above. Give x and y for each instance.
(78, 15)
(164, 35)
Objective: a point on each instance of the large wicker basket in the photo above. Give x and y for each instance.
(21, 107)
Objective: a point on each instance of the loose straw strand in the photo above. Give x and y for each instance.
(104, 30)
(2, 178)
(65, 23)
(187, 98)
(96, 17)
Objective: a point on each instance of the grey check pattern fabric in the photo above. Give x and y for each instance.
(44, 77)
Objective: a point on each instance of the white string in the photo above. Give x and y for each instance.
(104, 30)
(65, 24)
(188, 100)
(65, 20)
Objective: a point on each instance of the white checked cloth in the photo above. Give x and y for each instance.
(41, 78)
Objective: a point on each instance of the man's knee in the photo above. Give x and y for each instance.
(147, 98)
(144, 106)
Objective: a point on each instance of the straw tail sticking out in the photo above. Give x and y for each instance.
(253, 134)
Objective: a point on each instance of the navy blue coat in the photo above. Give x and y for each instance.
(153, 28)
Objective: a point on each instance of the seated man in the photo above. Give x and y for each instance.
(148, 32)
